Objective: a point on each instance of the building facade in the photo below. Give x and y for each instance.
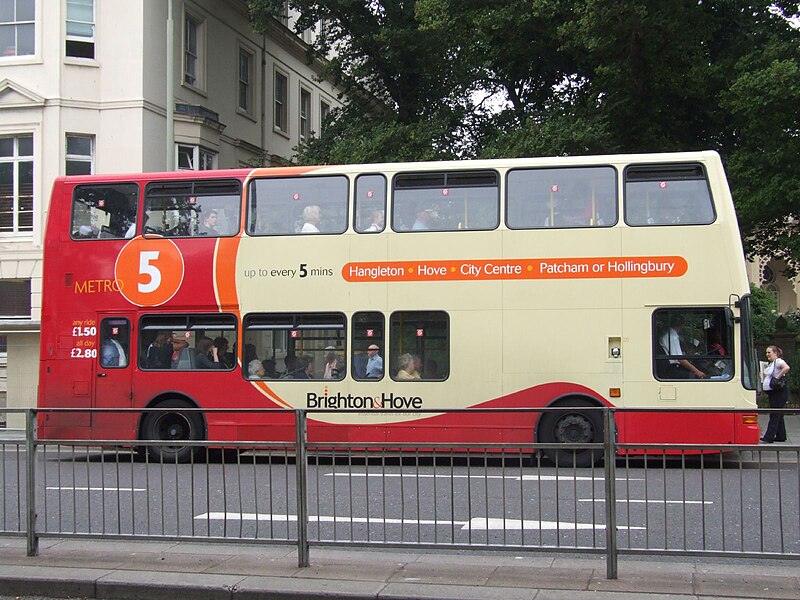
(84, 88)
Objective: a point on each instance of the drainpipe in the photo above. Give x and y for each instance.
(170, 165)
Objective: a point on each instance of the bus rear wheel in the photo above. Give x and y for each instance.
(572, 427)
(172, 427)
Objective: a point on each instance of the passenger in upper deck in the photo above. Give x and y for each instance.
(312, 215)
(377, 222)
(209, 226)
(425, 217)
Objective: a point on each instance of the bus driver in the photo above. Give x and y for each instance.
(679, 368)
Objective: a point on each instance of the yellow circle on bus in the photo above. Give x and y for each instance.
(149, 271)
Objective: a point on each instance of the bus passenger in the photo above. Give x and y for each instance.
(312, 215)
(305, 368)
(226, 359)
(424, 218)
(417, 366)
(209, 226)
(207, 356)
(406, 368)
(377, 222)
(249, 352)
(270, 368)
(255, 369)
(334, 367)
(374, 363)
(679, 368)
(112, 354)
(161, 351)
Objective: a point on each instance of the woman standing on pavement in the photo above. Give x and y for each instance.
(777, 369)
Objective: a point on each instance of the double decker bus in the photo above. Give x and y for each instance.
(575, 282)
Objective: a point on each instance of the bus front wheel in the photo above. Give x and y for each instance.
(172, 427)
(572, 427)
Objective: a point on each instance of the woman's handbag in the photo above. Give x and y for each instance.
(777, 383)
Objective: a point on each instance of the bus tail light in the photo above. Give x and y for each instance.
(749, 419)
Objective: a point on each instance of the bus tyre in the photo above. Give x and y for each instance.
(572, 427)
(174, 427)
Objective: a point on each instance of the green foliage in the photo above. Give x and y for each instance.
(764, 313)
(570, 77)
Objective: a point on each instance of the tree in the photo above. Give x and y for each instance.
(400, 72)
(571, 77)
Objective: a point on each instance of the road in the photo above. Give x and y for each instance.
(713, 504)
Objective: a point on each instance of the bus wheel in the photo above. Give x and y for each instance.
(173, 427)
(572, 427)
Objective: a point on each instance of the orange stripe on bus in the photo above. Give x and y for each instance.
(606, 267)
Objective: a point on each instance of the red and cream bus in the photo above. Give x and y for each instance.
(576, 282)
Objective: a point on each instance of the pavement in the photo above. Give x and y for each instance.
(155, 570)
(150, 570)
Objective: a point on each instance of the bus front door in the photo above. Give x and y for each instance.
(113, 382)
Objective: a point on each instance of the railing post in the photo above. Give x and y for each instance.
(301, 487)
(610, 462)
(30, 481)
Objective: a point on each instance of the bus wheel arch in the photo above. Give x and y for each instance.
(172, 426)
(572, 427)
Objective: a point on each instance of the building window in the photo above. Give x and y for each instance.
(193, 51)
(324, 111)
(196, 158)
(15, 299)
(16, 184)
(80, 155)
(80, 28)
(17, 26)
(3, 344)
(245, 80)
(305, 114)
(281, 102)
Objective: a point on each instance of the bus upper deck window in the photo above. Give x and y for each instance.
(297, 205)
(450, 201)
(667, 195)
(562, 198)
(204, 208)
(370, 201)
(104, 211)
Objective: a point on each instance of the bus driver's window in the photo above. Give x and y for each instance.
(693, 344)
(115, 343)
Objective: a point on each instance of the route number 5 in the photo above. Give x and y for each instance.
(146, 257)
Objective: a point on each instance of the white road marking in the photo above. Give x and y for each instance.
(511, 477)
(478, 523)
(95, 489)
(632, 501)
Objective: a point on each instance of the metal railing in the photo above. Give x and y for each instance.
(704, 500)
